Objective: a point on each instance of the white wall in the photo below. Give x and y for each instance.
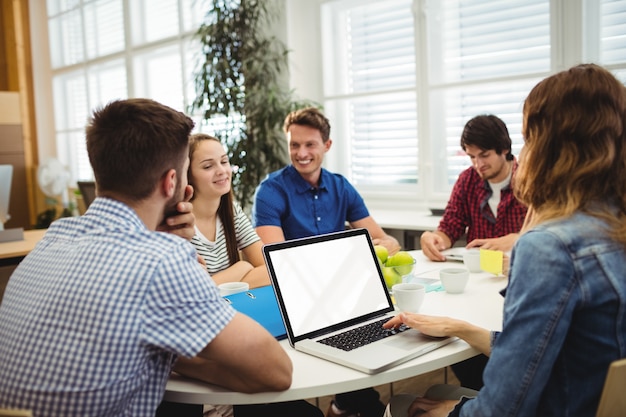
(304, 40)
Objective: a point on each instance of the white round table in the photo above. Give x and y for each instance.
(480, 304)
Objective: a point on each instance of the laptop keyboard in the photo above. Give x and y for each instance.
(361, 336)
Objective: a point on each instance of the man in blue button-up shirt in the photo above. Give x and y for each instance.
(304, 199)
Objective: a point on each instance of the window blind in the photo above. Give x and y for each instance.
(483, 39)
(482, 59)
(380, 66)
(612, 31)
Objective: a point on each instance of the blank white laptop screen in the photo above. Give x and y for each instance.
(331, 283)
(326, 284)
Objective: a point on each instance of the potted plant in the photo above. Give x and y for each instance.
(240, 88)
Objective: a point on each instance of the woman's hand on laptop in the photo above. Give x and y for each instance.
(435, 326)
(429, 325)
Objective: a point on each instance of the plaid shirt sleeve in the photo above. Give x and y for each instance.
(456, 217)
(184, 310)
(468, 210)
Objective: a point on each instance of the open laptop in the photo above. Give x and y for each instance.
(328, 284)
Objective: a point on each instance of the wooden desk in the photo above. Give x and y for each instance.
(12, 253)
(21, 248)
(480, 304)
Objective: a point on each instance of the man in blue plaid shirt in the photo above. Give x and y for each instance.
(95, 317)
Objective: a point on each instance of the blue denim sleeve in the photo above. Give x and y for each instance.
(493, 338)
(538, 311)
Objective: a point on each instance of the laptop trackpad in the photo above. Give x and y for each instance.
(410, 340)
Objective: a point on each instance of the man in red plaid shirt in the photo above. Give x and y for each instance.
(482, 201)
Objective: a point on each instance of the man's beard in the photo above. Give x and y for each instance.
(170, 207)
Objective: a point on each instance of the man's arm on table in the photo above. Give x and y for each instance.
(270, 234)
(243, 357)
(504, 243)
(432, 243)
(379, 237)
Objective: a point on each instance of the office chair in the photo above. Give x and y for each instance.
(613, 400)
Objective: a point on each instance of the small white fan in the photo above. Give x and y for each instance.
(53, 178)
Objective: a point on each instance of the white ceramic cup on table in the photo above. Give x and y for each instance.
(454, 280)
(471, 260)
(409, 296)
(228, 288)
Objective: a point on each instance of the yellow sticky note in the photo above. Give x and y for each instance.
(491, 261)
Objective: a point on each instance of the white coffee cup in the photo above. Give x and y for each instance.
(471, 259)
(454, 280)
(228, 288)
(409, 296)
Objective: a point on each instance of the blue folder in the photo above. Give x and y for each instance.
(261, 305)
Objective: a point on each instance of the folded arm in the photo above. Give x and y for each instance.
(243, 357)
(503, 243)
(251, 269)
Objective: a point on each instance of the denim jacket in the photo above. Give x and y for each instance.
(564, 323)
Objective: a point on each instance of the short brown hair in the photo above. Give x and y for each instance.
(309, 116)
(132, 143)
(486, 132)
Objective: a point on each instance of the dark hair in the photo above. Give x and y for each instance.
(132, 143)
(574, 156)
(225, 209)
(487, 132)
(309, 116)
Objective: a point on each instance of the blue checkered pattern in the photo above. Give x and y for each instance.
(94, 317)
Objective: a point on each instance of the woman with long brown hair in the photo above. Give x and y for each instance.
(223, 230)
(565, 305)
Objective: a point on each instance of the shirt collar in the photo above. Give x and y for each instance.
(114, 214)
(301, 185)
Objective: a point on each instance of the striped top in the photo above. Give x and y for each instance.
(215, 253)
